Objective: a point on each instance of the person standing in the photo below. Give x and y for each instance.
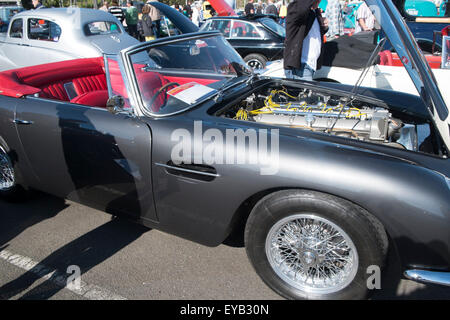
(131, 18)
(147, 29)
(155, 15)
(259, 7)
(37, 4)
(271, 8)
(197, 15)
(249, 8)
(305, 28)
(116, 11)
(188, 9)
(365, 20)
(283, 14)
(105, 6)
(335, 18)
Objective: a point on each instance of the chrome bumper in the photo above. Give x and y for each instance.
(425, 276)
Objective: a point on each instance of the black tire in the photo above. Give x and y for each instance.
(14, 192)
(365, 232)
(255, 61)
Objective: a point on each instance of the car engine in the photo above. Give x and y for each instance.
(317, 112)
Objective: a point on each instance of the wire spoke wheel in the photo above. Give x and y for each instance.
(6, 172)
(255, 64)
(311, 254)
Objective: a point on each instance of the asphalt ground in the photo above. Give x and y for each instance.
(118, 259)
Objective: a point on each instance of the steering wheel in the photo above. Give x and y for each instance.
(160, 90)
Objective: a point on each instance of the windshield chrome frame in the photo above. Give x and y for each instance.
(133, 89)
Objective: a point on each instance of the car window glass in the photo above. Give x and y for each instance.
(164, 67)
(244, 30)
(275, 27)
(168, 28)
(221, 25)
(40, 29)
(16, 29)
(116, 85)
(101, 27)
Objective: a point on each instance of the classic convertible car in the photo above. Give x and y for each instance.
(321, 179)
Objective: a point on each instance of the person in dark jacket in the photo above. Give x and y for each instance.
(271, 8)
(249, 8)
(147, 29)
(305, 28)
(116, 11)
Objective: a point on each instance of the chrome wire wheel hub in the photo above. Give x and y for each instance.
(6, 172)
(254, 64)
(311, 254)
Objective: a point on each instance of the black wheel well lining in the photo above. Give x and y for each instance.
(240, 216)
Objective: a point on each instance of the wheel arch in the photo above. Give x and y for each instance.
(241, 215)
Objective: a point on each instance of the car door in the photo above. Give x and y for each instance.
(89, 155)
(15, 48)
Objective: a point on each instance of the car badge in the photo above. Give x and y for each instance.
(116, 39)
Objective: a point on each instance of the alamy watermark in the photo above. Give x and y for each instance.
(259, 147)
(374, 279)
(74, 279)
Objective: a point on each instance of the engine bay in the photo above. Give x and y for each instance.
(329, 114)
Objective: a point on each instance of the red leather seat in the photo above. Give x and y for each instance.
(90, 83)
(94, 98)
(149, 84)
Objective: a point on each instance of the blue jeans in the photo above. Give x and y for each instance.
(304, 73)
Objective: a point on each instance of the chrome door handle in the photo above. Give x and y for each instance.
(26, 122)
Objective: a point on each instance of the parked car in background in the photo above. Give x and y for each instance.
(6, 13)
(55, 34)
(423, 27)
(351, 177)
(424, 8)
(257, 38)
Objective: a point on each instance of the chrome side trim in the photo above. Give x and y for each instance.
(426, 276)
(188, 170)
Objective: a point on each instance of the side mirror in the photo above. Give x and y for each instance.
(115, 104)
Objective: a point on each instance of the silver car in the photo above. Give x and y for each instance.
(56, 34)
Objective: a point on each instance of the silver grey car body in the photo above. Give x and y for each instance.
(73, 42)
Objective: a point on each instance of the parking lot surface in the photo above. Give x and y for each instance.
(44, 236)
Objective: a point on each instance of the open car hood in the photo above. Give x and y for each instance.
(178, 19)
(415, 63)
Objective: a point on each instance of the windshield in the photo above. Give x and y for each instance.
(275, 27)
(175, 76)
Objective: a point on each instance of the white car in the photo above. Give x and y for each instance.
(56, 34)
(378, 76)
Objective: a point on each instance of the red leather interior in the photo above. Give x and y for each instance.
(96, 98)
(149, 84)
(183, 80)
(89, 82)
(48, 79)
